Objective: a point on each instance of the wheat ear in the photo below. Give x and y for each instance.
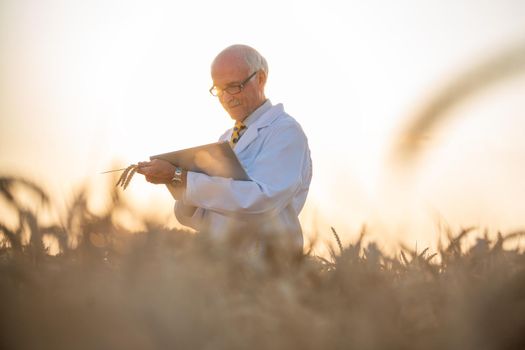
(130, 176)
(122, 181)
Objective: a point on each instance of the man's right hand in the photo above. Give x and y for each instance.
(157, 171)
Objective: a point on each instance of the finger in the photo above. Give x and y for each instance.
(153, 180)
(146, 170)
(143, 164)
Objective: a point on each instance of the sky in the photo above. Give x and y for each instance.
(86, 86)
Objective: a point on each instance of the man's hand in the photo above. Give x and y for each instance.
(157, 171)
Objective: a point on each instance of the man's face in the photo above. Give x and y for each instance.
(230, 70)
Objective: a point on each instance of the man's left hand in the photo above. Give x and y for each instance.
(157, 171)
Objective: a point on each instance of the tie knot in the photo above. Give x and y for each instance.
(239, 126)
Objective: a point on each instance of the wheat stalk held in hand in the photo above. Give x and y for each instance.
(126, 176)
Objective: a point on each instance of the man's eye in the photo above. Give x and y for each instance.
(233, 88)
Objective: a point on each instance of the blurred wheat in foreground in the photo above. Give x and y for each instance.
(167, 289)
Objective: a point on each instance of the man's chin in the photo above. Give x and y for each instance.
(235, 113)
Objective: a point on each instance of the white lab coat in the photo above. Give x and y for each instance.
(275, 154)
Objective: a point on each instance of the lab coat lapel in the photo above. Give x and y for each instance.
(253, 130)
(247, 138)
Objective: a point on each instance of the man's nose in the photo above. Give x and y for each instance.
(224, 96)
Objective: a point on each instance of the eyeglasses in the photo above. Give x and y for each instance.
(232, 89)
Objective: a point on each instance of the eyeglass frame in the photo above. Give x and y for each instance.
(239, 86)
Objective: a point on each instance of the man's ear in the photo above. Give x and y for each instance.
(261, 78)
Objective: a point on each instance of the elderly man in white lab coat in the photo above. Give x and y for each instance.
(270, 145)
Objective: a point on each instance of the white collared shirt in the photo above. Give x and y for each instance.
(252, 118)
(275, 154)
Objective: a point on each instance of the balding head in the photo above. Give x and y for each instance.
(239, 76)
(245, 54)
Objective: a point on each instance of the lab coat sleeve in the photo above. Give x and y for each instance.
(276, 174)
(187, 215)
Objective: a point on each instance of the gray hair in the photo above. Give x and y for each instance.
(253, 58)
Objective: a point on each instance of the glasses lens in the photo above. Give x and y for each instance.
(232, 90)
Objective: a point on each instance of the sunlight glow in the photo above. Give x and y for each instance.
(87, 86)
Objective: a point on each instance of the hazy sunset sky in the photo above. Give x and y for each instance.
(84, 84)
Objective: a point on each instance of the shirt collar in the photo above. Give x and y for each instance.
(252, 118)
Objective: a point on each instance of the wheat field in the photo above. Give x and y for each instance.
(169, 289)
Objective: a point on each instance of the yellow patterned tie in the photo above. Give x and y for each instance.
(239, 126)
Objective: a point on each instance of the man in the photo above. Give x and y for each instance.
(270, 145)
